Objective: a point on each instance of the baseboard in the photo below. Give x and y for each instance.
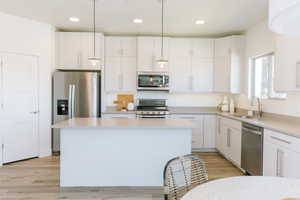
(199, 150)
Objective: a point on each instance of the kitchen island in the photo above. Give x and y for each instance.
(97, 152)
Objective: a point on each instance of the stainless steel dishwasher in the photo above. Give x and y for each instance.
(252, 149)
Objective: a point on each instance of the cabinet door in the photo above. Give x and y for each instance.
(235, 145)
(222, 74)
(146, 54)
(87, 44)
(280, 161)
(269, 159)
(222, 46)
(180, 47)
(287, 76)
(202, 74)
(224, 139)
(209, 131)
(218, 134)
(128, 75)
(128, 46)
(68, 46)
(202, 48)
(113, 74)
(197, 136)
(113, 47)
(181, 79)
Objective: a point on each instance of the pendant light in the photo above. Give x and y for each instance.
(162, 61)
(94, 60)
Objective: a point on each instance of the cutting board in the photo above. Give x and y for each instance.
(123, 100)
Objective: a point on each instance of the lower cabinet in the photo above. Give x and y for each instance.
(229, 139)
(281, 155)
(203, 136)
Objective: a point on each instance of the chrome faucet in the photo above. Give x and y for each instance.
(259, 107)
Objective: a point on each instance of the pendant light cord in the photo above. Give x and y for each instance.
(94, 22)
(162, 28)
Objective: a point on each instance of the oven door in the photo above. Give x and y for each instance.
(153, 82)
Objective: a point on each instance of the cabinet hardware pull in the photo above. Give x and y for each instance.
(228, 138)
(280, 140)
(279, 163)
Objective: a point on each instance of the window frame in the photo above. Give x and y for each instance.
(251, 82)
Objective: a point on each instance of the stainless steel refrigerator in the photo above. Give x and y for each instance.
(75, 94)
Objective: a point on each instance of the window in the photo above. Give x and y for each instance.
(262, 78)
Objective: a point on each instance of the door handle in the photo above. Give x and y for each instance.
(70, 101)
(228, 137)
(34, 112)
(279, 163)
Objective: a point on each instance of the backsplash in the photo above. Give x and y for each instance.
(177, 99)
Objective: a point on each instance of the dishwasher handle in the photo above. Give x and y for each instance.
(252, 131)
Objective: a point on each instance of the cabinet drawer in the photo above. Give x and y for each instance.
(231, 123)
(283, 140)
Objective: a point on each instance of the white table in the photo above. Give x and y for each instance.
(246, 188)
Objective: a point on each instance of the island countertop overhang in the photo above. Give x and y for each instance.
(117, 123)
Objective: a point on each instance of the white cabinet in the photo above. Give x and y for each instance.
(229, 139)
(287, 64)
(191, 65)
(120, 64)
(74, 48)
(149, 51)
(203, 136)
(281, 155)
(209, 131)
(229, 60)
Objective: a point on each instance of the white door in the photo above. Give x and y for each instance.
(145, 53)
(202, 74)
(68, 50)
(128, 46)
(87, 43)
(209, 131)
(113, 74)
(235, 145)
(128, 77)
(20, 107)
(113, 47)
(181, 79)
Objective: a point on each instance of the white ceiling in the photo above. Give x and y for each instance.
(115, 16)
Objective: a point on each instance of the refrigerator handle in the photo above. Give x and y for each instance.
(73, 100)
(70, 101)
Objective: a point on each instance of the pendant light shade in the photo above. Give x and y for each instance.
(162, 62)
(94, 60)
(284, 16)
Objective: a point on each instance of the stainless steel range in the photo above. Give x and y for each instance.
(152, 108)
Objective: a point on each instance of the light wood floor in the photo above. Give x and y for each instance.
(38, 179)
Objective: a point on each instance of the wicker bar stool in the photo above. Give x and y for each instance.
(182, 174)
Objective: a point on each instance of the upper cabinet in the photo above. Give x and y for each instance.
(149, 51)
(229, 60)
(120, 64)
(74, 48)
(191, 65)
(287, 64)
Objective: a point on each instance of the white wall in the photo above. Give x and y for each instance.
(178, 99)
(20, 35)
(260, 40)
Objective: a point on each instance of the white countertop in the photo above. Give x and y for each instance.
(124, 123)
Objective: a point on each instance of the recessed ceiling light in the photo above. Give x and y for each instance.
(199, 22)
(138, 21)
(74, 19)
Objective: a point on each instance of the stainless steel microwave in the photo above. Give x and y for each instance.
(153, 81)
